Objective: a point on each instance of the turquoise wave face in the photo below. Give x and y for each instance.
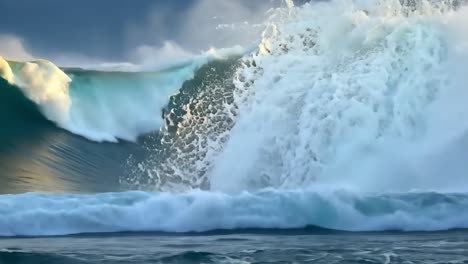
(104, 106)
(97, 105)
(111, 106)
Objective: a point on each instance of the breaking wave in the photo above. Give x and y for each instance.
(372, 101)
(100, 105)
(46, 215)
(356, 123)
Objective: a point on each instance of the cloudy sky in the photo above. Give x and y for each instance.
(88, 31)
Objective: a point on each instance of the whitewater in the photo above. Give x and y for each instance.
(355, 123)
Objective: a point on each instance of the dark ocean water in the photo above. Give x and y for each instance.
(249, 247)
(36, 156)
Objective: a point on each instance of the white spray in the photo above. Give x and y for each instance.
(353, 94)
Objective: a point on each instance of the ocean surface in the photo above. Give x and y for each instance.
(295, 246)
(329, 141)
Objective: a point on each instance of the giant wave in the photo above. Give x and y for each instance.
(354, 124)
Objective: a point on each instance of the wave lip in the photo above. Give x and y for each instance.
(36, 214)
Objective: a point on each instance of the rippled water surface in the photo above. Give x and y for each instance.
(254, 247)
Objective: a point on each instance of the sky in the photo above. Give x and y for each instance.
(90, 31)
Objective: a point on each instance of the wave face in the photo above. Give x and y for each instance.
(39, 215)
(354, 124)
(102, 106)
(97, 105)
